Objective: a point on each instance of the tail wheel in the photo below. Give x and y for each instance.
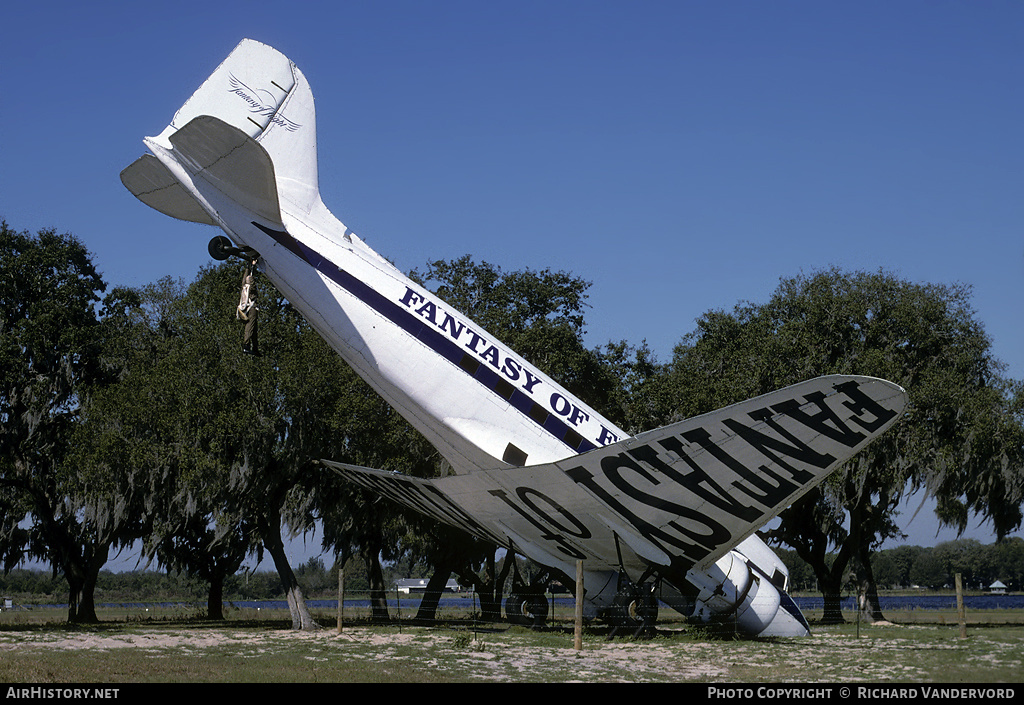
(221, 248)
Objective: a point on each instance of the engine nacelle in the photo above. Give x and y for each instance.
(722, 588)
(731, 588)
(760, 607)
(768, 564)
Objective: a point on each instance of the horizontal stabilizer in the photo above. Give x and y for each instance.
(153, 184)
(233, 162)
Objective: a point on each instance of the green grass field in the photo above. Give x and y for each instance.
(173, 646)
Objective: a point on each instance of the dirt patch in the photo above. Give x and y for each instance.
(504, 657)
(879, 653)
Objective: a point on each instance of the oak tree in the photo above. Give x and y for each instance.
(58, 342)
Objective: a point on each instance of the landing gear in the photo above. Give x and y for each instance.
(634, 608)
(527, 605)
(221, 248)
(527, 609)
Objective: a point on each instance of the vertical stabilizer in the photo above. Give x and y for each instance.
(261, 92)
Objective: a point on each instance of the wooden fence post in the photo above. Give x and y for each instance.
(960, 615)
(578, 641)
(341, 597)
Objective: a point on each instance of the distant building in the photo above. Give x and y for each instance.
(419, 585)
(997, 588)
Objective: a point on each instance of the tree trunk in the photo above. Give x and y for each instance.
(77, 561)
(81, 574)
(490, 605)
(833, 613)
(215, 598)
(81, 601)
(488, 588)
(301, 618)
(378, 590)
(870, 526)
(871, 608)
(427, 611)
(830, 583)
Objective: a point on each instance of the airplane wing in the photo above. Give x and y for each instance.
(679, 497)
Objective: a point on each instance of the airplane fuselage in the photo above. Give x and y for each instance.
(533, 468)
(476, 400)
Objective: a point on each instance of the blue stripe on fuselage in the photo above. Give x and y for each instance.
(432, 338)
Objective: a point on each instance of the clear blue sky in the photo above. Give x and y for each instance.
(682, 156)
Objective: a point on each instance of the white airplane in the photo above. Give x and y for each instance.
(668, 515)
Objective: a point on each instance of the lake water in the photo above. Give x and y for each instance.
(924, 602)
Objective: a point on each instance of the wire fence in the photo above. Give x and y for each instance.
(466, 611)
